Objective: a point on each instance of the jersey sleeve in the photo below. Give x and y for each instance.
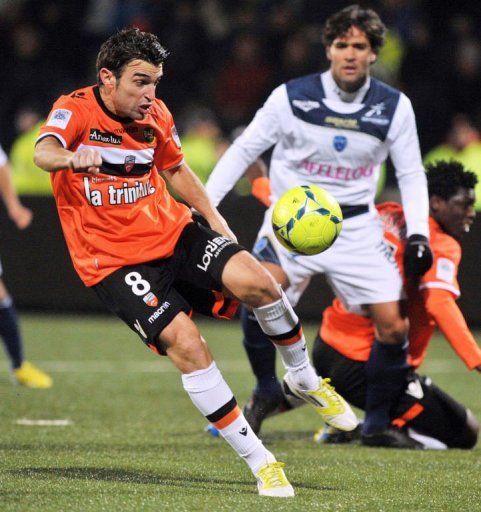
(443, 309)
(406, 157)
(168, 153)
(444, 272)
(263, 132)
(66, 122)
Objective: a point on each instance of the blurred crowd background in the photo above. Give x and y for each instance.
(225, 58)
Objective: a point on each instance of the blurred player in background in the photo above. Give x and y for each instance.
(342, 347)
(23, 372)
(143, 254)
(334, 130)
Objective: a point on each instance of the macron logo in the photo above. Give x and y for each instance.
(306, 105)
(158, 312)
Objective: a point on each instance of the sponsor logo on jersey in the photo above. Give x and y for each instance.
(375, 115)
(213, 248)
(60, 118)
(160, 311)
(339, 142)
(151, 300)
(149, 135)
(342, 122)
(105, 137)
(127, 129)
(306, 105)
(335, 172)
(129, 162)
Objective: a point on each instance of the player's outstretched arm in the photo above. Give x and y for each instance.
(190, 188)
(441, 305)
(16, 211)
(51, 156)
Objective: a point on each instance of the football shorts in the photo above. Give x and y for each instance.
(148, 296)
(360, 267)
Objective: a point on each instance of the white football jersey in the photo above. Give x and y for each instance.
(320, 139)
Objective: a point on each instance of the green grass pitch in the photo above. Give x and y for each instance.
(136, 443)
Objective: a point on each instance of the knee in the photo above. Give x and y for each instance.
(260, 289)
(187, 343)
(392, 332)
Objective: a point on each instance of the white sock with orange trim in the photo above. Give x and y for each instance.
(281, 324)
(212, 396)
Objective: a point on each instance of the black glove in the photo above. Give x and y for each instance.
(418, 257)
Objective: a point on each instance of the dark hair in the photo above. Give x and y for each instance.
(366, 20)
(446, 178)
(126, 45)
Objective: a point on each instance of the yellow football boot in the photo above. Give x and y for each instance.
(272, 481)
(32, 377)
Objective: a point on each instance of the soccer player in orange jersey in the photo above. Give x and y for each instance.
(141, 252)
(342, 348)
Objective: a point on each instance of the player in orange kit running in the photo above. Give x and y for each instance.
(141, 252)
(345, 339)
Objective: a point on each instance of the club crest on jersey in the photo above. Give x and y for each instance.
(339, 142)
(129, 162)
(149, 135)
(151, 300)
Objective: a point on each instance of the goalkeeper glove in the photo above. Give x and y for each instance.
(418, 257)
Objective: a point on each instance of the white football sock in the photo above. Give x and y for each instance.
(212, 396)
(281, 324)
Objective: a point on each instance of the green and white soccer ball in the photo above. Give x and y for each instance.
(307, 220)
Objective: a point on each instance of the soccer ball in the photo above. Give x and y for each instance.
(307, 220)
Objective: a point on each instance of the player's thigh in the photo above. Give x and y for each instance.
(346, 375)
(249, 281)
(201, 256)
(433, 412)
(144, 298)
(291, 271)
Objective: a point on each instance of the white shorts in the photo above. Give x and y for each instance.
(359, 266)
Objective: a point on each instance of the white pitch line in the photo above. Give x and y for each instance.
(433, 366)
(109, 366)
(43, 423)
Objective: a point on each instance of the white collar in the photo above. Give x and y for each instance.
(334, 92)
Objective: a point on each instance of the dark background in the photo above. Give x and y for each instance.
(225, 56)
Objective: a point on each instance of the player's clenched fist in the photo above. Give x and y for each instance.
(87, 160)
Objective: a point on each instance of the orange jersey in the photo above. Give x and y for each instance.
(124, 215)
(353, 335)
